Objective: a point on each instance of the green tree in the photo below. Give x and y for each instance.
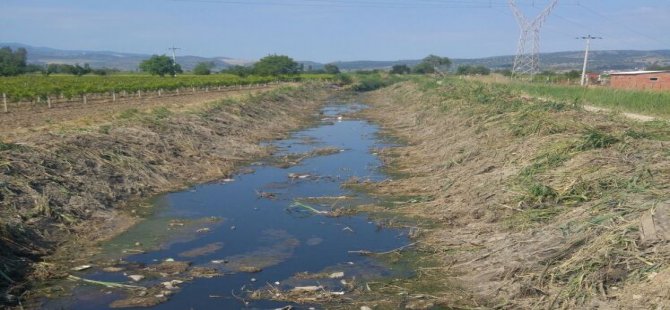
(241, 71)
(12, 62)
(472, 70)
(331, 69)
(276, 65)
(573, 74)
(433, 64)
(400, 69)
(203, 68)
(79, 70)
(160, 65)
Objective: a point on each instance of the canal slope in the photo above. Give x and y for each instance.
(66, 188)
(524, 202)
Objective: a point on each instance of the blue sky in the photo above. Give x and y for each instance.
(328, 30)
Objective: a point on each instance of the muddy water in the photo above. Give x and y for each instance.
(249, 221)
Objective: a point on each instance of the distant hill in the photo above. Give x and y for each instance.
(599, 60)
(107, 59)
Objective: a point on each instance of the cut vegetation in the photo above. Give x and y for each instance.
(55, 186)
(524, 202)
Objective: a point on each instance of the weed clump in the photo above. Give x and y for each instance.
(596, 139)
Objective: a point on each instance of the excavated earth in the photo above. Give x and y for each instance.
(65, 188)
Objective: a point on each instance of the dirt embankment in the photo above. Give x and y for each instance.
(70, 185)
(31, 119)
(525, 203)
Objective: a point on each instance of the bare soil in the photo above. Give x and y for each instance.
(68, 177)
(521, 203)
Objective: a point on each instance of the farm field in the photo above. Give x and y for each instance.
(37, 87)
(33, 119)
(652, 103)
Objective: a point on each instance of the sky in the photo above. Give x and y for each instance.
(329, 30)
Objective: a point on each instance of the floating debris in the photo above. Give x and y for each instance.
(336, 275)
(307, 288)
(104, 283)
(203, 250)
(136, 277)
(300, 205)
(249, 269)
(172, 285)
(82, 267)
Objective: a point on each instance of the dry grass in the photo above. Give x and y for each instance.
(532, 203)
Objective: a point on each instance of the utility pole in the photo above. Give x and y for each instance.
(174, 58)
(588, 39)
(527, 60)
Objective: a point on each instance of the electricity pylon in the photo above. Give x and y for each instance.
(174, 58)
(527, 60)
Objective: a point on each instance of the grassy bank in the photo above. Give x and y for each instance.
(55, 186)
(524, 203)
(652, 103)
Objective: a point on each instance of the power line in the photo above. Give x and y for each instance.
(620, 24)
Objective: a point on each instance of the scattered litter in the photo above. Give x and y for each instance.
(298, 176)
(365, 308)
(276, 282)
(138, 243)
(203, 230)
(336, 275)
(136, 277)
(174, 223)
(253, 279)
(169, 259)
(228, 180)
(219, 261)
(347, 229)
(82, 267)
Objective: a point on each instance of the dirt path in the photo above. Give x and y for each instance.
(633, 116)
(32, 119)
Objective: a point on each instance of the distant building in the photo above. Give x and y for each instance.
(653, 80)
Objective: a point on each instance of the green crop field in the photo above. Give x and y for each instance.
(31, 87)
(654, 103)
